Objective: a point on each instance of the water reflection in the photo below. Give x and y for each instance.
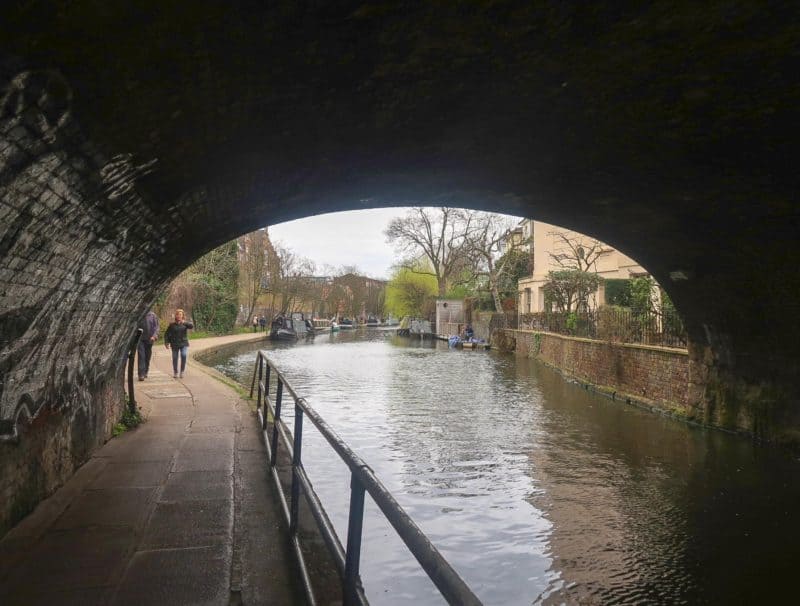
(534, 489)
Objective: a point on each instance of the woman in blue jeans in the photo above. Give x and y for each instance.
(177, 339)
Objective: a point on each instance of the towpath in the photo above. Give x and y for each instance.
(177, 511)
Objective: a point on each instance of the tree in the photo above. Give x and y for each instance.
(207, 290)
(409, 291)
(289, 279)
(354, 294)
(483, 242)
(353, 290)
(569, 289)
(434, 234)
(618, 292)
(516, 264)
(255, 251)
(576, 251)
(215, 279)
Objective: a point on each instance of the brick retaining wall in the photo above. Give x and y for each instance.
(655, 376)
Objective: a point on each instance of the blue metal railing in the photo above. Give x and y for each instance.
(362, 481)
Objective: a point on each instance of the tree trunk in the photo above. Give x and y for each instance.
(498, 305)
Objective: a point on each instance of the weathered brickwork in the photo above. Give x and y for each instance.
(75, 273)
(51, 447)
(653, 375)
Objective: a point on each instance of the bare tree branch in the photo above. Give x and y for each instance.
(436, 234)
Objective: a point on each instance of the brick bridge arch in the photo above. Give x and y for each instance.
(133, 139)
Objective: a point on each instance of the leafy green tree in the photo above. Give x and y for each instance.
(618, 292)
(643, 295)
(208, 290)
(409, 292)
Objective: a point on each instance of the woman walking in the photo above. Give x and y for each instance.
(177, 339)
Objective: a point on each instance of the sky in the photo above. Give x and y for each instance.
(347, 238)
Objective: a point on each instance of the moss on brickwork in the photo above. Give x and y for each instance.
(647, 376)
(760, 410)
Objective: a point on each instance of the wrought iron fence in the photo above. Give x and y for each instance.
(612, 324)
(506, 319)
(272, 386)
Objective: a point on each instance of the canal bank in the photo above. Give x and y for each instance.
(535, 489)
(176, 511)
(672, 381)
(655, 378)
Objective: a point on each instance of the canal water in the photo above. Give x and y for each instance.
(535, 490)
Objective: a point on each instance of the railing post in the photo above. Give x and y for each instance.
(355, 524)
(260, 364)
(131, 355)
(296, 462)
(266, 389)
(276, 421)
(255, 370)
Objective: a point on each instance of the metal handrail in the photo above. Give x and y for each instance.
(362, 480)
(132, 348)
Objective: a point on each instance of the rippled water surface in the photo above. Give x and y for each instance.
(536, 491)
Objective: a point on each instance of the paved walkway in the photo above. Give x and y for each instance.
(178, 511)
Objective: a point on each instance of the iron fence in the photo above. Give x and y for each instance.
(664, 329)
(506, 319)
(269, 404)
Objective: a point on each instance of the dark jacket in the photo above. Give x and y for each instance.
(149, 326)
(176, 334)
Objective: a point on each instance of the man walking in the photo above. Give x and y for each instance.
(149, 326)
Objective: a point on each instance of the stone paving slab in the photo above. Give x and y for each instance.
(193, 576)
(211, 524)
(97, 554)
(129, 474)
(111, 507)
(198, 486)
(168, 513)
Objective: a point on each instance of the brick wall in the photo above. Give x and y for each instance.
(652, 375)
(77, 267)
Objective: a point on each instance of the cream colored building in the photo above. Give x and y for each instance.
(556, 248)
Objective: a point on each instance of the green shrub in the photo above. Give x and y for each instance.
(128, 421)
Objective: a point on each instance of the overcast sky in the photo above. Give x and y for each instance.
(353, 237)
(348, 238)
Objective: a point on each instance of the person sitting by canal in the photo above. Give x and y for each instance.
(468, 332)
(177, 339)
(149, 326)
